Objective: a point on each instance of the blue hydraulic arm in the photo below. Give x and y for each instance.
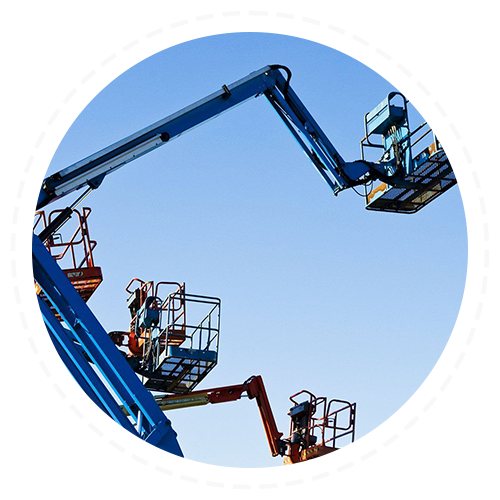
(268, 81)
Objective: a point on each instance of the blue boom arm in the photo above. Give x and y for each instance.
(268, 81)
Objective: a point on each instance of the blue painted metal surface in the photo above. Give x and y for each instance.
(196, 354)
(148, 317)
(268, 81)
(84, 340)
(390, 120)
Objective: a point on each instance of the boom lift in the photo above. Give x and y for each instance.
(427, 175)
(310, 436)
(397, 181)
(171, 354)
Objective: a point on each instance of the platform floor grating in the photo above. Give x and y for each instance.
(433, 172)
(180, 372)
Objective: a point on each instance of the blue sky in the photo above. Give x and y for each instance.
(317, 293)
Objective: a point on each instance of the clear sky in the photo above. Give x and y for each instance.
(317, 293)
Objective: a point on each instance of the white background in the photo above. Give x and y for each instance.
(16, 146)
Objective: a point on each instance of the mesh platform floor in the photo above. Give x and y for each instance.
(180, 370)
(433, 172)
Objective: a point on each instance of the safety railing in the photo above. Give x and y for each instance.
(332, 424)
(144, 287)
(74, 252)
(202, 335)
(40, 221)
(336, 420)
(432, 125)
(158, 324)
(173, 313)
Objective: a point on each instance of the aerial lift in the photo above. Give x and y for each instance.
(317, 427)
(395, 181)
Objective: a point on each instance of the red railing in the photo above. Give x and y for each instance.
(74, 253)
(77, 251)
(327, 422)
(172, 314)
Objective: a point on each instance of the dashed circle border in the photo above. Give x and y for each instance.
(367, 45)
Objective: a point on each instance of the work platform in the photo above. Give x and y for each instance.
(432, 171)
(179, 370)
(417, 180)
(319, 457)
(318, 426)
(178, 356)
(74, 253)
(172, 355)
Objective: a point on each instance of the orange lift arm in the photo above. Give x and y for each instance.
(254, 387)
(310, 436)
(71, 439)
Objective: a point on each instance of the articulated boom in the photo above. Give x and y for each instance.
(268, 81)
(389, 120)
(317, 425)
